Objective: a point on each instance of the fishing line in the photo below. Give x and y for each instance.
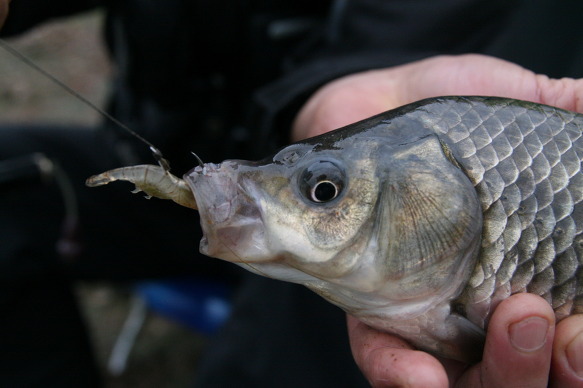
(156, 153)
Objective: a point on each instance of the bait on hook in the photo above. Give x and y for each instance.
(155, 181)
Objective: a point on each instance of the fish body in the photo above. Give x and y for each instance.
(438, 211)
(418, 221)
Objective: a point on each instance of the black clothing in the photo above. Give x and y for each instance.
(540, 35)
(224, 79)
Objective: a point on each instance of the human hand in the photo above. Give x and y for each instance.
(361, 95)
(525, 320)
(387, 360)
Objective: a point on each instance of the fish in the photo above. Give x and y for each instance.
(418, 221)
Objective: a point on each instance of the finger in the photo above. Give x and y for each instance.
(388, 361)
(473, 74)
(518, 345)
(565, 93)
(567, 366)
(468, 74)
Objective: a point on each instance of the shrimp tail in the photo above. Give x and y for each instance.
(155, 181)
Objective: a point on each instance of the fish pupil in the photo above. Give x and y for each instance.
(324, 191)
(322, 181)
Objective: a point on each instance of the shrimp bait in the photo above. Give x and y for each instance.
(155, 181)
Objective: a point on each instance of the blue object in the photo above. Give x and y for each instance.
(200, 304)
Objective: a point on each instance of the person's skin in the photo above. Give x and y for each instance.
(523, 345)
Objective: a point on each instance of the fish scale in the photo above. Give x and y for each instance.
(525, 161)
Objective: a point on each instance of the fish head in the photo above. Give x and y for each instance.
(376, 217)
(297, 206)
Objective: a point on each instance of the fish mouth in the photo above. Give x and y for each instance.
(230, 215)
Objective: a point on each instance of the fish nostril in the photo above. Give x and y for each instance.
(221, 212)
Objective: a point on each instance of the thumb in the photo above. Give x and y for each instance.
(518, 346)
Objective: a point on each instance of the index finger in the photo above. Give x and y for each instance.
(388, 361)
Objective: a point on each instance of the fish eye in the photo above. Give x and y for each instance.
(322, 182)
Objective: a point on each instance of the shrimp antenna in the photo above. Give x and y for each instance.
(198, 160)
(156, 153)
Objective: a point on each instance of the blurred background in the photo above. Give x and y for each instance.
(164, 353)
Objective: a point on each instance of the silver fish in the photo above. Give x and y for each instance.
(418, 221)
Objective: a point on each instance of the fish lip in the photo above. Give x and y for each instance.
(230, 215)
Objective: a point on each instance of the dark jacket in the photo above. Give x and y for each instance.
(225, 78)
(186, 70)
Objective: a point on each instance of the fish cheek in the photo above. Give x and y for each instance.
(432, 231)
(430, 222)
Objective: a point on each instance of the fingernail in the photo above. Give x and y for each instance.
(574, 352)
(529, 334)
